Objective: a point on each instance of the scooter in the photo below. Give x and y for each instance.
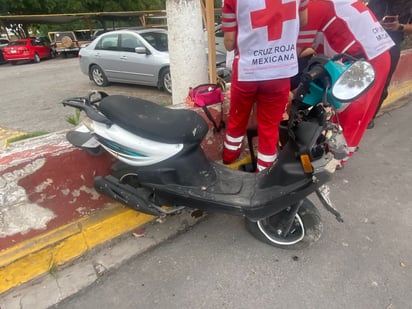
(161, 168)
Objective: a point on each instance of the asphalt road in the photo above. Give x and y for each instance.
(31, 94)
(365, 262)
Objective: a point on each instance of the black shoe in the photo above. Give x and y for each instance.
(371, 124)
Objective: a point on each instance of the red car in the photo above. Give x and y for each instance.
(27, 49)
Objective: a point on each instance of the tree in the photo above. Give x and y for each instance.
(35, 7)
(81, 6)
(28, 7)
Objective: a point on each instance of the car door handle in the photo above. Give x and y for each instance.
(123, 57)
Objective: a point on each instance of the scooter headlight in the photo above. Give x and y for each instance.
(354, 82)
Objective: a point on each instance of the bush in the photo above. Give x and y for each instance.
(407, 43)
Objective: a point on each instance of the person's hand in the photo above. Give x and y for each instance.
(390, 23)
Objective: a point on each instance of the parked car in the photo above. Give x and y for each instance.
(130, 56)
(84, 37)
(69, 42)
(3, 43)
(98, 32)
(46, 42)
(27, 49)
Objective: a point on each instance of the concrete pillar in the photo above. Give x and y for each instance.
(188, 60)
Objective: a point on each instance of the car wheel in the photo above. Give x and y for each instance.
(98, 76)
(166, 80)
(36, 58)
(13, 62)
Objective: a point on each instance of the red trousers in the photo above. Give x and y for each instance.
(356, 117)
(271, 98)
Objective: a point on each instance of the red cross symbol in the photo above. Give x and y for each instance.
(359, 6)
(273, 17)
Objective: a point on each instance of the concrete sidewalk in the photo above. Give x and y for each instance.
(57, 235)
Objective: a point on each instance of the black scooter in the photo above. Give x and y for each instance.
(161, 161)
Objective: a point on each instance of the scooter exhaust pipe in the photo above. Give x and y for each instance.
(123, 193)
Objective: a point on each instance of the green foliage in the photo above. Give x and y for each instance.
(53, 270)
(36, 7)
(25, 136)
(74, 119)
(27, 7)
(407, 43)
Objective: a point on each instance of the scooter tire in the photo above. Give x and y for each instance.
(308, 228)
(127, 176)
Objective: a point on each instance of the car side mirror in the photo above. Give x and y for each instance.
(141, 50)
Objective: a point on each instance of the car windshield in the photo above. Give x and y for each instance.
(157, 39)
(83, 35)
(18, 43)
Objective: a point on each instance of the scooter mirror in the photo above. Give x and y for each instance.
(354, 81)
(96, 96)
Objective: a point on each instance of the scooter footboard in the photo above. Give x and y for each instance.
(272, 200)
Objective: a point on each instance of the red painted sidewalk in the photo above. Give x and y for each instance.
(50, 212)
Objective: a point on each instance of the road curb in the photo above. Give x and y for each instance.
(396, 96)
(42, 254)
(59, 284)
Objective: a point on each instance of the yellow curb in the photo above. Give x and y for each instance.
(396, 92)
(6, 135)
(42, 254)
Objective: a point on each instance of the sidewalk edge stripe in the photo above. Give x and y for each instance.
(397, 92)
(42, 254)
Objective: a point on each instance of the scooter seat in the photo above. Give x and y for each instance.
(153, 121)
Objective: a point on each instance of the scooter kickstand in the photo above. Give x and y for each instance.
(323, 193)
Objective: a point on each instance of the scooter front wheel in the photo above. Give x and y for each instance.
(306, 228)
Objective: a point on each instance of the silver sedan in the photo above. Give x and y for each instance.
(128, 56)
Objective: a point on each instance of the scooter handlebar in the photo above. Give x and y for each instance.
(315, 72)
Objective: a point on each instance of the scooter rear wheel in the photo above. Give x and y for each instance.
(127, 176)
(306, 229)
